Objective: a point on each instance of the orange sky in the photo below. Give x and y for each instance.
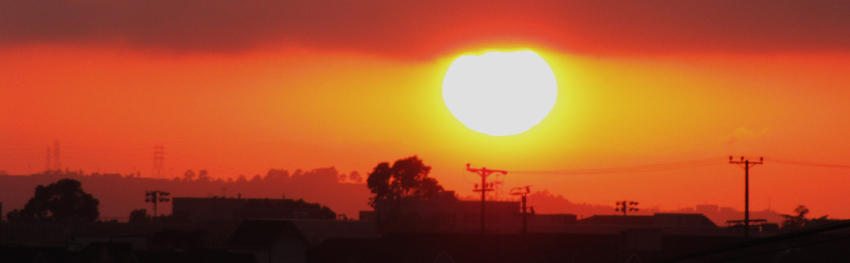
(329, 93)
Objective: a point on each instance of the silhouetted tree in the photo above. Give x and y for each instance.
(203, 176)
(257, 179)
(799, 220)
(796, 221)
(139, 216)
(354, 176)
(327, 213)
(189, 175)
(320, 212)
(276, 176)
(327, 175)
(242, 179)
(64, 200)
(406, 178)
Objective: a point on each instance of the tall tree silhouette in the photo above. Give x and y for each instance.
(139, 216)
(406, 178)
(63, 201)
(203, 176)
(189, 176)
(799, 220)
(354, 176)
(796, 221)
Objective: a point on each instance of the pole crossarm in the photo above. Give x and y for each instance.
(746, 163)
(485, 172)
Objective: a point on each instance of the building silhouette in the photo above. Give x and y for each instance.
(201, 209)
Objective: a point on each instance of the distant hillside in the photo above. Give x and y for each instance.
(548, 203)
(121, 194)
(545, 202)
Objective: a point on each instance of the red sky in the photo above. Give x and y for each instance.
(241, 88)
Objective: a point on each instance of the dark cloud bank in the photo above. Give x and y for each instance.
(421, 29)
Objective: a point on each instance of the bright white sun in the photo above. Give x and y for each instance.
(500, 93)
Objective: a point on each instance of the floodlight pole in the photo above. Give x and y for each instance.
(626, 205)
(746, 164)
(156, 197)
(483, 172)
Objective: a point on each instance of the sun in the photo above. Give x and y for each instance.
(500, 93)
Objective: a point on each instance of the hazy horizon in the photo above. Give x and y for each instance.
(239, 89)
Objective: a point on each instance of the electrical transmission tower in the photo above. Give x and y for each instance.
(56, 162)
(746, 164)
(483, 172)
(47, 168)
(158, 160)
(156, 197)
(519, 191)
(626, 205)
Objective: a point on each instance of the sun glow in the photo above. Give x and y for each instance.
(500, 93)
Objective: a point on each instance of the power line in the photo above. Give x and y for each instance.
(632, 169)
(840, 166)
(671, 166)
(463, 175)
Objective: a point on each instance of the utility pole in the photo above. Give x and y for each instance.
(483, 172)
(626, 205)
(524, 194)
(746, 164)
(156, 197)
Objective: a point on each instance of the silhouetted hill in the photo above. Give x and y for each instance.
(119, 195)
(545, 202)
(548, 203)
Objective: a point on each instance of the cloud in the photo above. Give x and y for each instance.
(421, 29)
(742, 133)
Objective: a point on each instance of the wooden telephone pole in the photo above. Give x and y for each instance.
(746, 164)
(483, 172)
